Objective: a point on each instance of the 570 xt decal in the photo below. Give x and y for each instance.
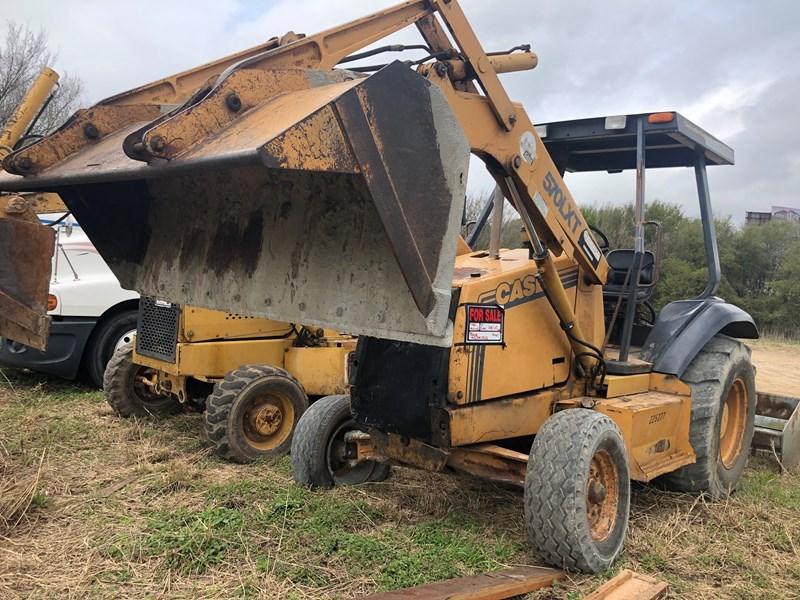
(570, 215)
(568, 212)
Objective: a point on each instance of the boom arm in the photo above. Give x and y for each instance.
(516, 156)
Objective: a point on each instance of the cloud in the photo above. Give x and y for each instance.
(722, 110)
(730, 66)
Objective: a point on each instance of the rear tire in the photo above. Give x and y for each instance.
(252, 413)
(317, 448)
(722, 379)
(108, 336)
(577, 491)
(128, 396)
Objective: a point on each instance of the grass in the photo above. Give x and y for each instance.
(113, 508)
(776, 337)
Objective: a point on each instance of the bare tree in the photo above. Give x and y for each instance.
(22, 55)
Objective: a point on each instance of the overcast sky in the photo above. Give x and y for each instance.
(733, 67)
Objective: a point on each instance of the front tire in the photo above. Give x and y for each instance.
(577, 491)
(318, 448)
(253, 412)
(109, 335)
(722, 379)
(127, 394)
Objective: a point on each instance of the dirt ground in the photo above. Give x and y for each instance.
(96, 506)
(777, 367)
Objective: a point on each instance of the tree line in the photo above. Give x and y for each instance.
(760, 263)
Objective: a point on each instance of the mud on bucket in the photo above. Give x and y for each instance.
(336, 205)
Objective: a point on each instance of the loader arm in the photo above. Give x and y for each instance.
(383, 140)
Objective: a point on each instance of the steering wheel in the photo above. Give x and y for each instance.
(604, 244)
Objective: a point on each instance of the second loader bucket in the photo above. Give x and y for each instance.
(318, 197)
(26, 250)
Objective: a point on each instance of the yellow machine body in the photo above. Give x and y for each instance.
(209, 344)
(500, 392)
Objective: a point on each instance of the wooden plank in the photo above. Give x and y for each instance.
(629, 585)
(487, 586)
(500, 452)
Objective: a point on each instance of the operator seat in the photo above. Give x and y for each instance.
(620, 261)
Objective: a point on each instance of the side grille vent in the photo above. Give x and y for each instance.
(157, 329)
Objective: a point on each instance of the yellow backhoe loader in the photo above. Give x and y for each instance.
(294, 182)
(252, 377)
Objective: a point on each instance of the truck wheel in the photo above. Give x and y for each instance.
(577, 491)
(126, 392)
(109, 335)
(722, 379)
(253, 413)
(318, 448)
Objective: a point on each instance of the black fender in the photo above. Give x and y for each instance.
(684, 327)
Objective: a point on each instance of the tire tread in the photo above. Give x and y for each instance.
(550, 490)
(220, 403)
(121, 398)
(706, 376)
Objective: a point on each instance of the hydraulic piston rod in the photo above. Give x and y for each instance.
(27, 110)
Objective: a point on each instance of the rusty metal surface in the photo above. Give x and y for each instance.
(84, 128)
(302, 209)
(291, 51)
(26, 249)
(399, 168)
(241, 91)
(777, 427)
(408, 451)
(176, 88)
(414, 216)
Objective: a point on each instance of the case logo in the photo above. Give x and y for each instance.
(513, 291)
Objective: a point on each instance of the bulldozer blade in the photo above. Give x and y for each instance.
(26, 251)
(338, 205)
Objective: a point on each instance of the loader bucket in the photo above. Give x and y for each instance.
(26, 251)
(777, 427)
(334, 203)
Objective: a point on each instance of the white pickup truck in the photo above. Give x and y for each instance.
(91, 314)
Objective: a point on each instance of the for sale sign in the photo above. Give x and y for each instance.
(484, 324)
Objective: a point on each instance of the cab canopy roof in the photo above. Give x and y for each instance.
(609, 143)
